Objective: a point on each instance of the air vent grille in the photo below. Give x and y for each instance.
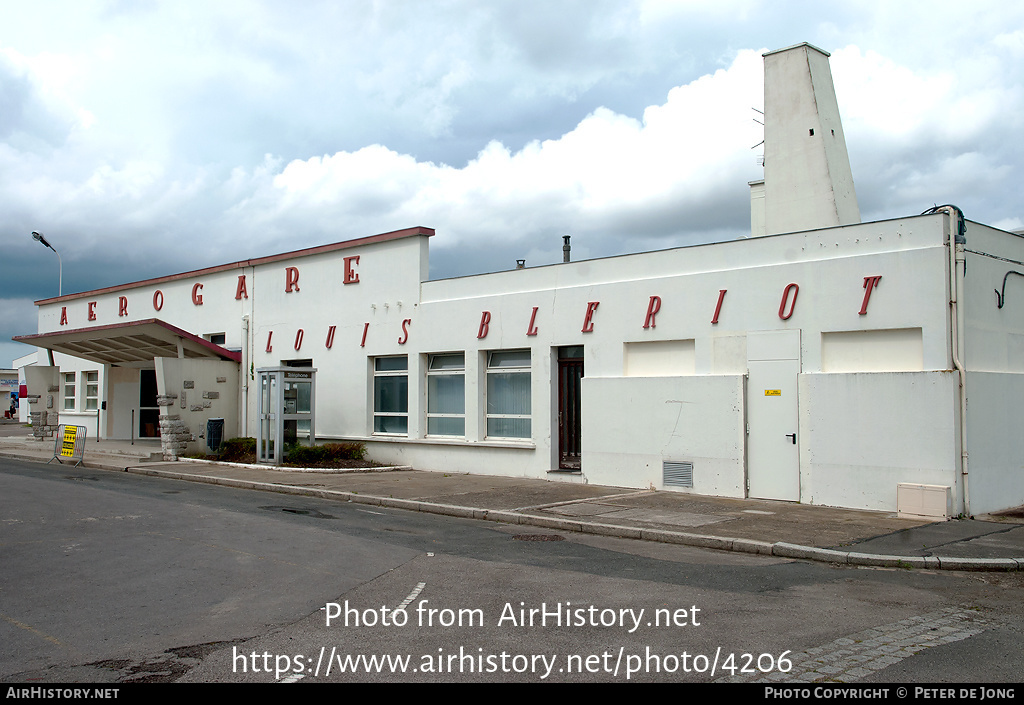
(677, 474)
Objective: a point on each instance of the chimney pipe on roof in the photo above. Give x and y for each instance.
(520, 264)
(566, 248)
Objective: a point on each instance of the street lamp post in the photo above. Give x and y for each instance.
(38, 237)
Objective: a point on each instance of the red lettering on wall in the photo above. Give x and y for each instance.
(158, 299)
(330, 336)
(92, 310)
(718, 307)
(366, 327)
(588, 322)
(785, 297)
(532, 329)
(485, 324)
(351, 277)
(197, 298)
(869, 284)
(269, 336)
(653, 306)
(122, 305)
(63, 315)
(240, 291)
(298, 339)
(405, 331)
(291, 279)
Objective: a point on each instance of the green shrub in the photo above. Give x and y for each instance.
(346, 451)
(238, 450)
(327, 454)
(304, 455)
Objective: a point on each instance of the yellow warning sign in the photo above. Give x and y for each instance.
(773, 392)
(67, 448)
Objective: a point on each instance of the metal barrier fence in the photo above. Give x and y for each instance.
(69, 444)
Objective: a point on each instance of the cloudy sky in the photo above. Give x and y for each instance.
(146, 137)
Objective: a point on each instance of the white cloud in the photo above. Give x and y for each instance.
(698, 141)
(183, 134)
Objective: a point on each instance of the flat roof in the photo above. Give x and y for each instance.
(130, 344)
(319, 249)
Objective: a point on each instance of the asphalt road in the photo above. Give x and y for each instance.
(108, 577)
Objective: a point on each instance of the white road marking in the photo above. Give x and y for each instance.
(412, 595)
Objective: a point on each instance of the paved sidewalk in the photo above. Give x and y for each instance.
(754, 526)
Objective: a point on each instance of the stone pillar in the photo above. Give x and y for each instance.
(44, 423)
(174, 433)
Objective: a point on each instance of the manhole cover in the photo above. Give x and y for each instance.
(538, 537)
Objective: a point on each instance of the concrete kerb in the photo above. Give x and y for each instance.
(986, 564)
(779, 548)
(281, 468)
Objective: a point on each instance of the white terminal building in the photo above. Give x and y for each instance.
(822, 360)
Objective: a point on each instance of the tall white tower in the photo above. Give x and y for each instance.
(808, 183)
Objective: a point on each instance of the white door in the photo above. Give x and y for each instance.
(773, 447)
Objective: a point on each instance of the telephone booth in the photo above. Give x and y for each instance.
(286, 409)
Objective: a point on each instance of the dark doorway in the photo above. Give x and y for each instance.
(570, 374)
(149, 412)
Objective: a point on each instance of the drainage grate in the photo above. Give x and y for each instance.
(676, 474)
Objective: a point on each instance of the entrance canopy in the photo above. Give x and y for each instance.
(132, 344)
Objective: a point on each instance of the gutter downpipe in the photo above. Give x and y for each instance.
(956, 258)
(244, 415)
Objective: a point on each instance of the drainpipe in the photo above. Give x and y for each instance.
(244, 411)
(957, 266)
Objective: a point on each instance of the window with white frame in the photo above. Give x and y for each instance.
(446, 395)
(69, 391)
(391, 395)
(508, 394)
(92, 391)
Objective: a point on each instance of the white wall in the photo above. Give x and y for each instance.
(993, 353)
(631, 425)
(212, 392)
(996, 466)
(865, 433)
(994, 336)
(122, 394)
(544, 308)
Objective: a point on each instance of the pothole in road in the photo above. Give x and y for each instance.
(80, 478)
(165, 668)
(302, 511)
